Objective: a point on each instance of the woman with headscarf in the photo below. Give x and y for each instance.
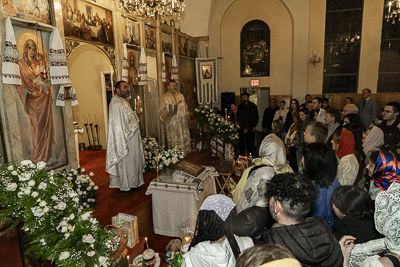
(387, 217)
(250, 190)
(372, 140)
(343, 145)
(214, 243)
(384, 169)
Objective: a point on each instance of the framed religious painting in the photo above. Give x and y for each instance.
(206, 71)
(166, 42)
(89, 23)
(168, 69)
(131, 31)
(41, 122)
(192, 49)
(183, 46)
(187, 81)
(31, 10)
(150, 37)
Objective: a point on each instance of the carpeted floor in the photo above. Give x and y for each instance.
(110, 202)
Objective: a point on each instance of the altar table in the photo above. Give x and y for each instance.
(175, 201)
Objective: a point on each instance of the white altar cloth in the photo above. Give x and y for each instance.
(174, 201)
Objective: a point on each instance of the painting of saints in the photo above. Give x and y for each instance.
(42, 140)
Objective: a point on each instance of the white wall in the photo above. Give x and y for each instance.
(85, 65)
(279, 20)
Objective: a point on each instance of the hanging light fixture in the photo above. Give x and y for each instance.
(151, 8)
(393, 11)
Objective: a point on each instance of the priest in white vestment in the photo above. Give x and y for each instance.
(176, 124)
(125, 158)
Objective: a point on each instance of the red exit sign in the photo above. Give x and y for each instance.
(254, 82)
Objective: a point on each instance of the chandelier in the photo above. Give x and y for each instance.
(393, 11)
(151, 8)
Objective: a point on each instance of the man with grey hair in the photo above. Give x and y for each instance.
(367, 108)
(349, 109)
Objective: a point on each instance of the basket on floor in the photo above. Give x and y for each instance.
(121, 240)
(129, 225)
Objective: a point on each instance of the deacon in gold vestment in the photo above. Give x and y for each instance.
(176, 125)
(125, 158)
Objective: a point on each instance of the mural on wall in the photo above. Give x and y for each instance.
(255, 49)
(40, 120)
(192, 49)
(183, 46)
(166, 42)
(37, 10)
(150, 35)
(151, 97)
(131, 32)
(187, 80)
(86, 22)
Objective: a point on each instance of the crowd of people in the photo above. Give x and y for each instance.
(326, 193)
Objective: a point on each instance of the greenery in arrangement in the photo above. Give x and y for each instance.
(166, 156)
(55, 210)
(217, 124)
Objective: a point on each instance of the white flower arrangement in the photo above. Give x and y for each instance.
(61, 228)
(166, 156)
(217, 125)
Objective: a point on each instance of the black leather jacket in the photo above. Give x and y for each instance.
(252, 222)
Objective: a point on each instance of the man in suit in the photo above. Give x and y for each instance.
(367, 108)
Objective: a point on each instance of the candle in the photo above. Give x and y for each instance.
(229, 118)
(187, 239)
(128, 259)
(226, 114)
(147, 244)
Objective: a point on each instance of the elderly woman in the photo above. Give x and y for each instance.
(387, 217)
(250, 191)
(213, 243)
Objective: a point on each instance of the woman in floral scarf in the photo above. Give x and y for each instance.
(384, 169)
(251, 189)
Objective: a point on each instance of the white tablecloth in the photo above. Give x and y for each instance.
(174, 201)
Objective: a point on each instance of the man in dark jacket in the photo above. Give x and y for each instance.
(252, 113)
(389, 127)
(268, 117)
(311, 241)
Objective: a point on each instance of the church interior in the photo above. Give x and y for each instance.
(215, 50)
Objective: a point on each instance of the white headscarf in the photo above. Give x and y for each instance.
(387, 216)
(374, 139)
(273, 155)
(273, 150)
